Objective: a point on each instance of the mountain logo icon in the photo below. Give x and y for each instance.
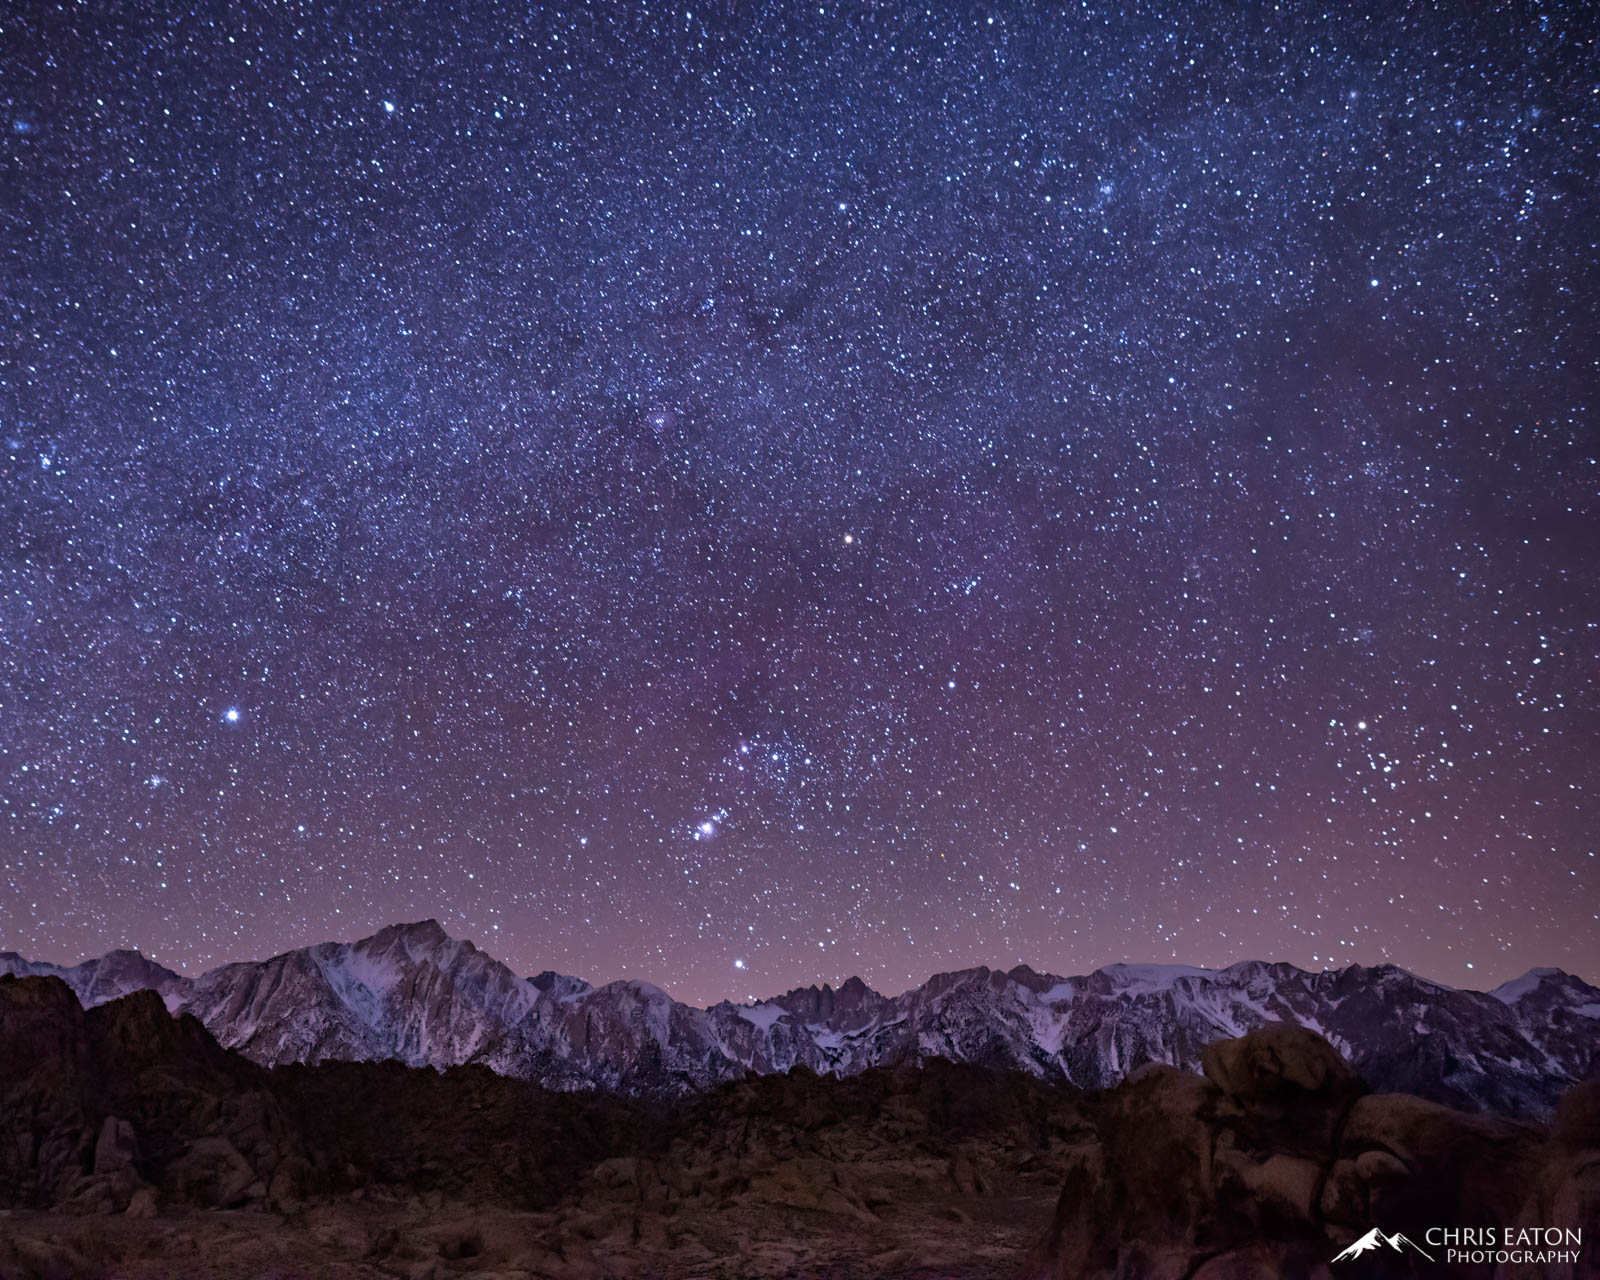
(1375, 1239)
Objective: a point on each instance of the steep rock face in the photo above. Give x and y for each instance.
(413, 994)
(633, 1037)
(409, 992)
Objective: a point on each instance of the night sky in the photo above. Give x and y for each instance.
(747, 495)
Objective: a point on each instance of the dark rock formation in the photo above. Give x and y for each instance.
(1278, 1157)
(98, 1105)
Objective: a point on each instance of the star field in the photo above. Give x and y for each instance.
(743, 495)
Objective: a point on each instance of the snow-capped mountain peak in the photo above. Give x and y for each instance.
(414, 993)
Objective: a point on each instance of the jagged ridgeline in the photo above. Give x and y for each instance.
(125, 1128)
(413, 994)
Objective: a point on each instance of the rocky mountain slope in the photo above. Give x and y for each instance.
(132, 1145)
(414, 994)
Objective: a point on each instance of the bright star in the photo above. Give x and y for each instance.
(231, 715)
(388, 106)
(738, 964)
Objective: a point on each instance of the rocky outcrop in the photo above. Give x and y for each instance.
(1277, 1158)
(124, 1107)
(104, 1105)
(415, 995)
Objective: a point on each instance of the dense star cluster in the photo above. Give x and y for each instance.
(742, 495)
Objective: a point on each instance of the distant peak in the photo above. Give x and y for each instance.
(126, 963)
(420, 939)
(1511, 992)
(429, 931)
(1025, 975)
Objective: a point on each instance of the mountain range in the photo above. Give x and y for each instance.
(414, 994)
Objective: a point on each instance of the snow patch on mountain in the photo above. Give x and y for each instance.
(764, 1016)
(361, 981)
